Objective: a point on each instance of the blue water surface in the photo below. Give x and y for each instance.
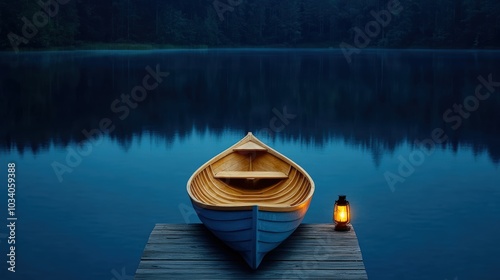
(348, 125)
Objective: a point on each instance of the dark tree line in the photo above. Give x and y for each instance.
(320, 23)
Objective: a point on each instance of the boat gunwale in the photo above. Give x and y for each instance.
(242, 206)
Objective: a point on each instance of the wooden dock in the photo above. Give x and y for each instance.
(190, 251)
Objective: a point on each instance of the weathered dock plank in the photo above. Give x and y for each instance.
(314, 251)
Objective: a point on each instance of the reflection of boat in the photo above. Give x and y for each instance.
(251, 197)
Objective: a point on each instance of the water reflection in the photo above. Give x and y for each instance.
(380, 101)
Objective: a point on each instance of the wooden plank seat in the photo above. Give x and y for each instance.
(250, 147)
(251, 175)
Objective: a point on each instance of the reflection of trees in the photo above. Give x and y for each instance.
(377, 102)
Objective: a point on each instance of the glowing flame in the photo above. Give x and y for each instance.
(341, 215)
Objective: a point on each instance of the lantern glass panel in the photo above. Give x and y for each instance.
(342, 214)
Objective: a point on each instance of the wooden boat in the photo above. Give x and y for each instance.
(251, 197)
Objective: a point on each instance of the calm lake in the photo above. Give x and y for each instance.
(86, 206)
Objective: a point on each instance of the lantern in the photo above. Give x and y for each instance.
(342, 214)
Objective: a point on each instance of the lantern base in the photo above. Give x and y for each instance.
(339, 227)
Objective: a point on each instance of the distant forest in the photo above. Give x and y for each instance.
(29, 24)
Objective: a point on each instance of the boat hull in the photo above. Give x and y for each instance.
(251, 197)
(252, 233)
